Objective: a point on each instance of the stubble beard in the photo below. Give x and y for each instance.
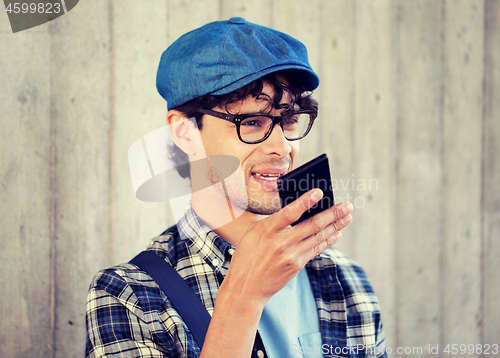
(260, 202)
(270, 206)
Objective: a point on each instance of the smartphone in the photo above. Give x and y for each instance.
(314, 174)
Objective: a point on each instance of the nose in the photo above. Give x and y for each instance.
(276, 143)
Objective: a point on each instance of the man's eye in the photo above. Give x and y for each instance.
(256, 122)
(291, 120)
(250, 123)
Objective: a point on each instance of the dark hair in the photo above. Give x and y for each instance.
(286, 81)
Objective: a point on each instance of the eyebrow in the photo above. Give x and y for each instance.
(285, 109)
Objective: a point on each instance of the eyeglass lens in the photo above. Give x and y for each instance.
(255, 128)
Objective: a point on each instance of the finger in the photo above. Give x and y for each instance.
(314, 250)
(318, 222)
(293, 211)
(316, 242)
(330, 241)
(320, 247)
(342, 222)
(316, 239)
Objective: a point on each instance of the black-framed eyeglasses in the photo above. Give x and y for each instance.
(255, 128)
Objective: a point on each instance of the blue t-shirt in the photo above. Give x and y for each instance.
(289, 326)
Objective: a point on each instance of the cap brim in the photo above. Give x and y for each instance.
(310, 77)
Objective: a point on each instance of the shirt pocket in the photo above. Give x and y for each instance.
(311, 345)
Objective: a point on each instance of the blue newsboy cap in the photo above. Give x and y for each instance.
(222, 56)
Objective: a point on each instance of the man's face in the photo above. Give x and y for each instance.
(262, 164)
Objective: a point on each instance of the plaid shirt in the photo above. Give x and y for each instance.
(128, 315)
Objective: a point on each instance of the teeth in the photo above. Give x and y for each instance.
(267, 176)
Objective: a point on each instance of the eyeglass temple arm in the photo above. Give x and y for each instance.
(227, 117)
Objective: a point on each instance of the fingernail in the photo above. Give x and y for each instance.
(316, 195)
(347, 207)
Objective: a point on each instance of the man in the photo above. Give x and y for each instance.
(240, 90)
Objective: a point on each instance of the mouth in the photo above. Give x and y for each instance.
(266, 176)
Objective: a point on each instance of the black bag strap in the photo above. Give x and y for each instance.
(184, 300)
(182, 297)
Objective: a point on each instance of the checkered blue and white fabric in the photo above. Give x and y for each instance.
(128, 315)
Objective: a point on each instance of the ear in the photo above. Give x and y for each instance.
(182, 132)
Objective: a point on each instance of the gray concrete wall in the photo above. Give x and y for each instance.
(410, 114)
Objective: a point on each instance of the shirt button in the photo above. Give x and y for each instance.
(260, 354)
(215, 262)
(230, 251)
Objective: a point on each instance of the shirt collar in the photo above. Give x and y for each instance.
(203, 241)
